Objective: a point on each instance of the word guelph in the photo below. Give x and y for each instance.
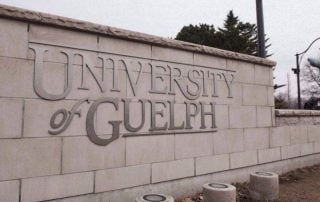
(192, 83)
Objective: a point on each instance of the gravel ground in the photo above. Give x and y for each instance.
(301, 185)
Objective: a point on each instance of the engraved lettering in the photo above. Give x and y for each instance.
(154, 78)
(189, 114)
(127, 123)
(130, 76)
(38, 72)
(183, 84)
(67, 117)
(194, 81)
(155, 112)
(211, 113)
(229, 83)
(88, 65)
(91, 131)
(172, 118)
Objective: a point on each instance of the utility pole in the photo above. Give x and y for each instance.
(260, 24)
(297, 72)
(289, 90)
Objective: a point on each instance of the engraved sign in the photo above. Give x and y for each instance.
(154, 97)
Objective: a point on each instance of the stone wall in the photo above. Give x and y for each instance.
(61, 105)
(300, 132)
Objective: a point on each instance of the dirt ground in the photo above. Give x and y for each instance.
(301, 185)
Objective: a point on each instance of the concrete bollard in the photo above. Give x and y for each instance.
(264, 186)
(219, 192)
(155, 198)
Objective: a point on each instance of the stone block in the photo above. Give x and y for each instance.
(228, 141)
(223, 93)
(11, 118)
(262, 75)
(290, 151)
(237, 95)
(298, 134)
(271, 96)
(306, 120)
(171, 170)
(248, 116)
(279, 136)
(124, 47)
(9, 191)
(38, 113)
(222, 116)
(269, 155)
(271, 77)
(243, 159)
(316, 147)
(287, 121)
(193, 145)
(245, 71)
(58, 186)
(62, 37)
(256, 138)
(211, 164)
(118, 178)
(255, 95)
(307, 149)
(313, 133)
(172, 55)
(210, 61)
(22, 158)
(264, 116)
(273, 115)
(13, 38)
(144, 149)
(80, 154)
(316, 120)
(16, 78)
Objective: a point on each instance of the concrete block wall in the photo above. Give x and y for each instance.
(297, 132)
(37, 166)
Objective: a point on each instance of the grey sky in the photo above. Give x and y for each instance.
(290, 24)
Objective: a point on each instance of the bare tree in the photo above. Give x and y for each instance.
(310, 77)
(281, 101)
(311, 81)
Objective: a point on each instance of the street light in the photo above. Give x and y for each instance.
(314, 62)
(297, 70)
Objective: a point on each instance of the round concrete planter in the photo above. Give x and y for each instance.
(219, 192)
(155, 198)
(264, 186)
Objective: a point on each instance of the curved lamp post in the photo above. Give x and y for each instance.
(314, 63)
(296, 70)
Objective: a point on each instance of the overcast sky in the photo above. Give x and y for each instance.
(290, 24)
